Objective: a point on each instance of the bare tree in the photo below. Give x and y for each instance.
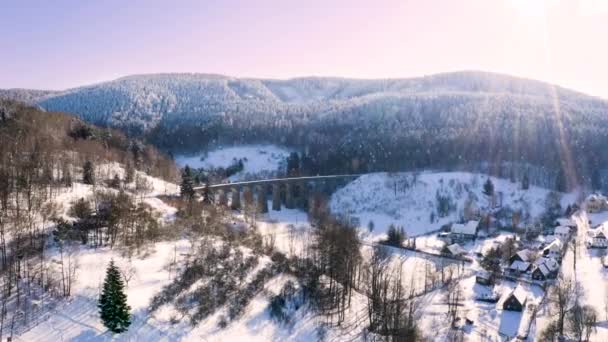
(128, 273)
(561, 297)
(582, 321)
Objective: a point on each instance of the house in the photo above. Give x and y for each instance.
(554, 250)
(545, 268)
(596, 239)
(516, 301)
(454, 250)
(483, 277)
(562, 232)
(464, 231)
(519, 267)
(596, 203)
(524, 255)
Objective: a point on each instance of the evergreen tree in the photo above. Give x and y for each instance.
(113, 307)
(525, 182)
(187, 186)
(488, 188)
(88, 173)
(395, 236)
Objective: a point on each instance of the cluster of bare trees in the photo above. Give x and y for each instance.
(571, 318)
(41, 155)
(391, 308)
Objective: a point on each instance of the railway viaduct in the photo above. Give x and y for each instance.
(290, 192)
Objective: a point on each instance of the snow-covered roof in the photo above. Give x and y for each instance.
(555, 246)
(543, 269)
(521, 266)
(547, 265)
(469, 228)
(562, 230)
(455, 249)
(550, 263)
(597, 233)
(520, 294)
(596, 197)
(524, 254)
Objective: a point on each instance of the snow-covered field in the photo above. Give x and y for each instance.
(409, 200)
(257, 159)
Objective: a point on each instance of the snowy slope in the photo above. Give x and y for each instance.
(409, 200)
(257, 159)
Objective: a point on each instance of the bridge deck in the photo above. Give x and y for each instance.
(275, 180)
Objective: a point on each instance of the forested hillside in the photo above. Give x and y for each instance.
(42, 146)
(466, 120)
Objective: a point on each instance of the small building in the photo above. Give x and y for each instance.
(545, 268)
(525, 255)
(554, 250)
(516, 301)
(519, 267)
(454, 250)
(483, 277)
(597, 239)
(596, 203)
(562, 232)
(464, 231)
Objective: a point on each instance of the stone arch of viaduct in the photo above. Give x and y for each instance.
(288, 192)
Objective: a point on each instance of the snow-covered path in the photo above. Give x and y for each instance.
(590, 275)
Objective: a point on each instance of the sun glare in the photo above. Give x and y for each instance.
(532, 8)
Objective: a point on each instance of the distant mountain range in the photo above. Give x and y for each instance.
(142, 101)
(444, 119)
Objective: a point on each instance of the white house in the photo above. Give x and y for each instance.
(597, 239)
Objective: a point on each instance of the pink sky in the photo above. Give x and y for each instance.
(67, 43)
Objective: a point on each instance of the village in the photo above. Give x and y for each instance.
(514, 269)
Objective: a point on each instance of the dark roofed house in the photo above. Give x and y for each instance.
(545, 268)
(516, 300)
(523, 256)
(518, 267)
(483, 277)
(464, 231)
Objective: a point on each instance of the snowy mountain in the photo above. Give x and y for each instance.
(143, 100)
(448, 121)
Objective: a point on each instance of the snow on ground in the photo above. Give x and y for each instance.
(78, 318)
(409, 200)
(289, 227)
(256, 324)
(256, 159)
(589, 272)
